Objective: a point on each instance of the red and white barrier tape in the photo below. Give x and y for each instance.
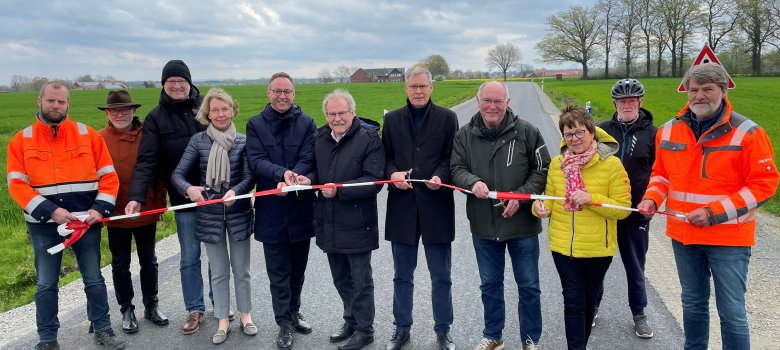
(76, 229)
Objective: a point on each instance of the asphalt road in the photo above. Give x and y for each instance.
(322, 307)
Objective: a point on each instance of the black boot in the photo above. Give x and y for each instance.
(398, 340)
(284, 340)
(108, 340)
(357, 341)
(342, 333)
(129, 322)
(299, 324)
(445, 341)
(155, 315)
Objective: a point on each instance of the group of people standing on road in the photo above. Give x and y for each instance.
(60, 171)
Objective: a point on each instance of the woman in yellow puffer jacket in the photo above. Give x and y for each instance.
(583, 237)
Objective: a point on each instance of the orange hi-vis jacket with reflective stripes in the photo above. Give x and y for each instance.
(730, 171)
(65, 166)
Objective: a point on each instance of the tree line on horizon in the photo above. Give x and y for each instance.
(657, 37)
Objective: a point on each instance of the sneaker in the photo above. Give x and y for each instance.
(530, 345)
(595, 316)
(490, 344)
(108, 340)
(641, 328)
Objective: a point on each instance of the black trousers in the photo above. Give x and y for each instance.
(633, 242)
(582, 279)
(352, 276)
(286, 266)
(120, 244)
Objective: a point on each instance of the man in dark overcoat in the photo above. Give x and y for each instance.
(418, 143)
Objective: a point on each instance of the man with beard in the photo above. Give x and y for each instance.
(716, 167)
(166, 131)
(280, 145)
(632, 127)
(60, 171)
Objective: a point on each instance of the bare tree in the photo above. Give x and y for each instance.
(20, 82)
(611, 14)
(660, 38)
(627, 29)
(760, 23)
(720, 18)
(675, 14)
(688, 26)
(571, 36)
(503, 57)
(647, 20)
(325, 76)
(342, 72)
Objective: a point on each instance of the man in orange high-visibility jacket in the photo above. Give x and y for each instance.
(60, 171)
(716, 167)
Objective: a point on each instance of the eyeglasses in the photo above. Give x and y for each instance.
(415, 87)
(224, 110)
(176, 82)
(338, 114)
(119, 111)
(571, 135)
(278, 92)
(489, 101)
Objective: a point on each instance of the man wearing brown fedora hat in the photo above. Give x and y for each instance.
(123, 136)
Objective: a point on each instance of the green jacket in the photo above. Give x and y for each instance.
(592, 231)
(516, 161)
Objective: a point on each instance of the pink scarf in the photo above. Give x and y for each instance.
(572, 170)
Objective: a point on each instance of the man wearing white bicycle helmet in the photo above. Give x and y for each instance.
(632, 126)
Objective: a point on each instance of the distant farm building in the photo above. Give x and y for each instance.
(98, 85)
(378, 75)
(563, 72)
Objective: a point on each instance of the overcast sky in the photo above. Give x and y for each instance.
(132, 40)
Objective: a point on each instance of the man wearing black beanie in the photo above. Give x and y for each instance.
(166, 131)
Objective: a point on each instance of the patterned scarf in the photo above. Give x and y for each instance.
(572, 170)
(218, 167)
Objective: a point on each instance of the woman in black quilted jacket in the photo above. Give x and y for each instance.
(219, 153)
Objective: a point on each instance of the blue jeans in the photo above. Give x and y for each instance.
(728, 267)
(189, 262)
(524, 253)
(47, 267)
(439, 259)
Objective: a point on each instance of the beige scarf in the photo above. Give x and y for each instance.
(218, 167)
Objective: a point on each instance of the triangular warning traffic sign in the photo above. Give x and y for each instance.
(705, 56)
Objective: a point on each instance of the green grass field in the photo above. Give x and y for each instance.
(17, 273)
(755, 98)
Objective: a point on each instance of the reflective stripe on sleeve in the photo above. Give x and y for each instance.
(106, 198)
(105, 170)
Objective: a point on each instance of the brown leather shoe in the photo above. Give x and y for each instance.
(194, 319)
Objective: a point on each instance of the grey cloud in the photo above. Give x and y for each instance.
(232, 39)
